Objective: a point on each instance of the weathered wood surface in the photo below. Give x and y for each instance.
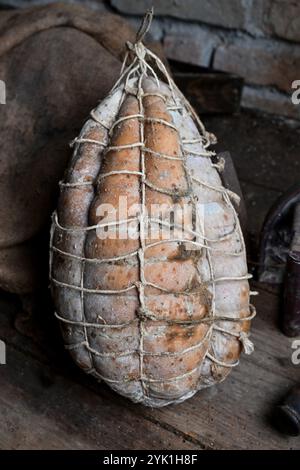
(42, 409)
(45, 402)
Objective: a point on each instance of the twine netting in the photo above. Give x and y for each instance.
(140, 63)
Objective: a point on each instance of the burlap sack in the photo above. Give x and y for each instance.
(57, 62)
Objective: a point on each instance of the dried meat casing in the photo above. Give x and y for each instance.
(156, 318)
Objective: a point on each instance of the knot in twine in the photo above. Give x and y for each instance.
(138, 47)
(248, 346)
(144, 314)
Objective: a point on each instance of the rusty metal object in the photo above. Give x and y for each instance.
(287, 415)
(209, 91)
(291, 307)
(291, 303)
(276, 237)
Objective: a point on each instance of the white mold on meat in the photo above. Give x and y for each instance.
(156, 323)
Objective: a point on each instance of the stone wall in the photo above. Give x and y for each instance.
(256, 39)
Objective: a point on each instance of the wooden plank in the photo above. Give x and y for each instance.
(265, 151)
(230, 181)
(41, 409)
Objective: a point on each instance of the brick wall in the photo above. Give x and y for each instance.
(257, 39)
